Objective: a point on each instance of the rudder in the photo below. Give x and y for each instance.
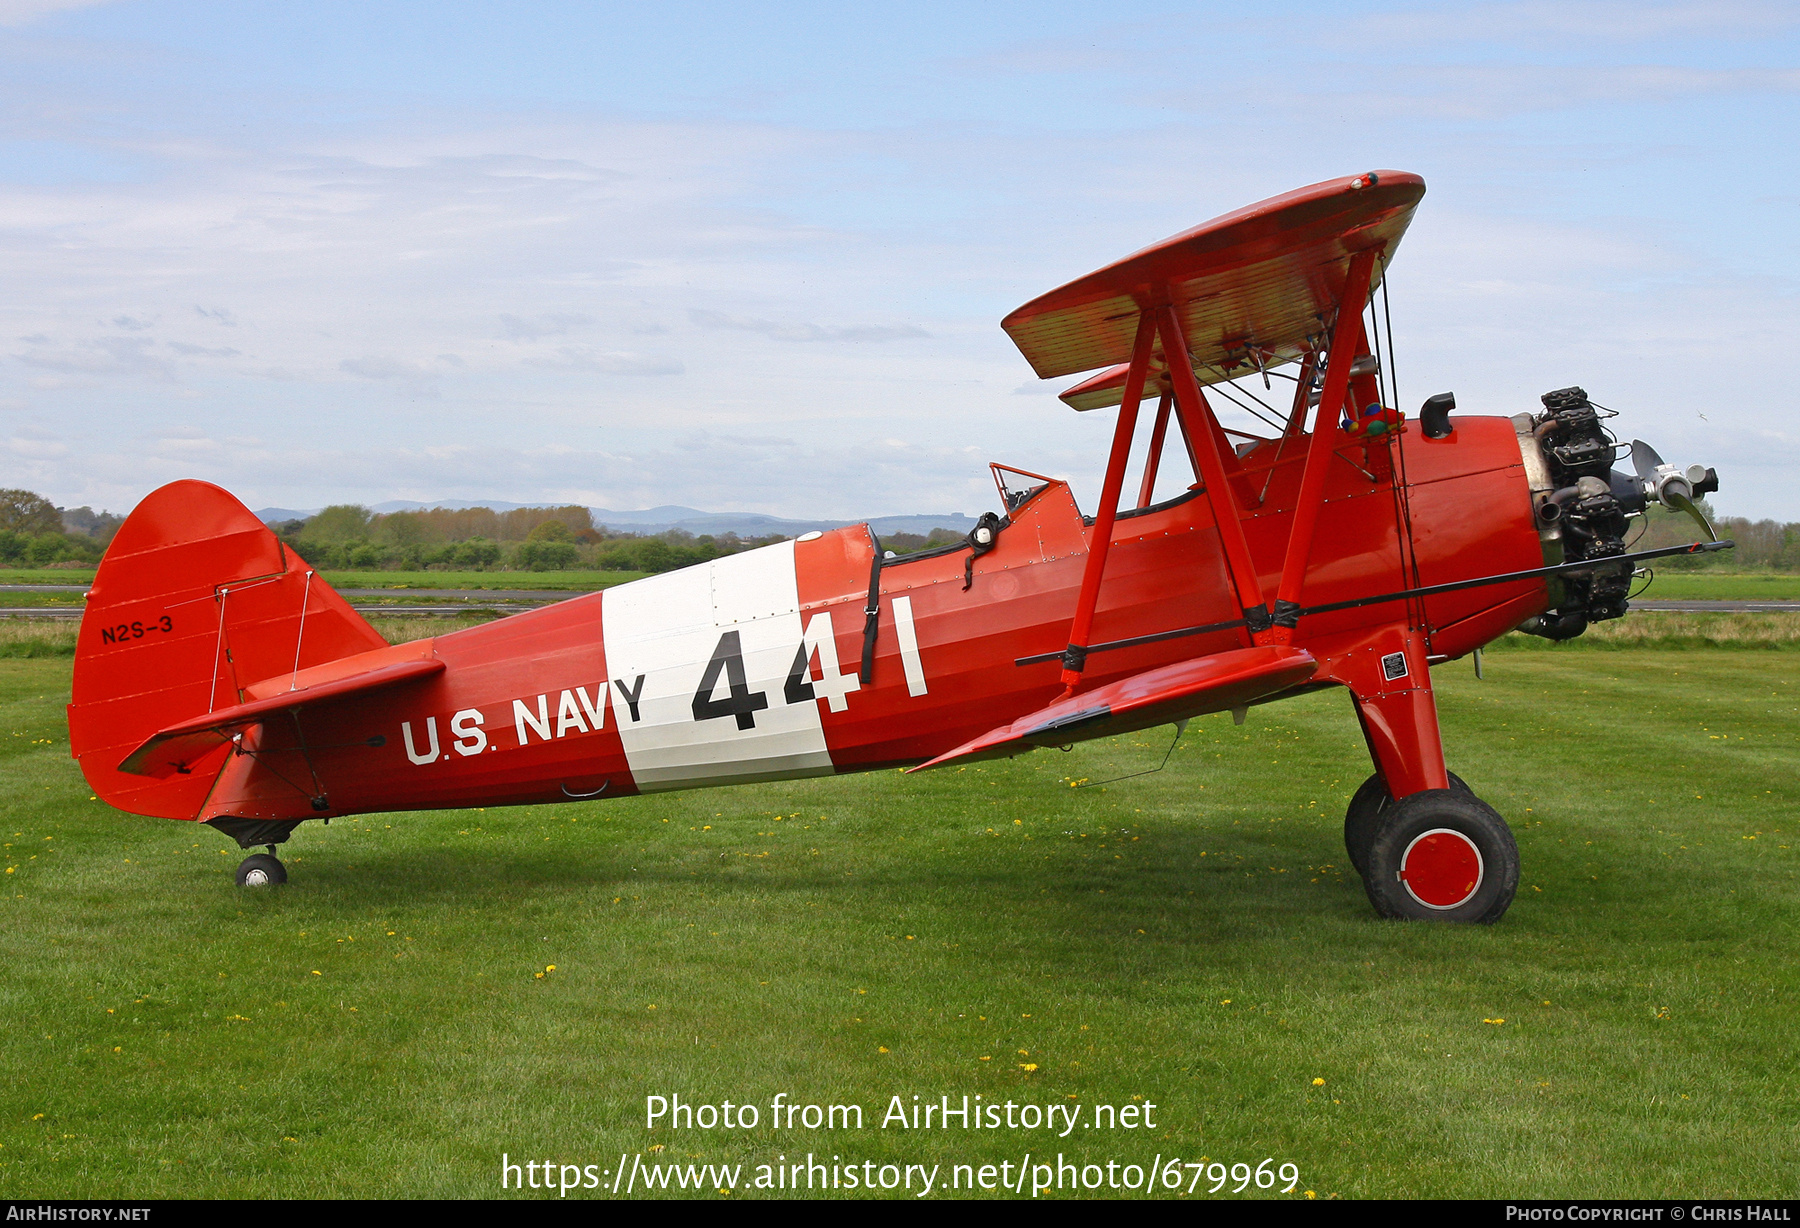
(195, 600)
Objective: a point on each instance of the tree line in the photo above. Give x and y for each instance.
(351, 537)
(1762, 545)
(34, 532)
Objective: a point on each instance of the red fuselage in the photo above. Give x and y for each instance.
(746, 668)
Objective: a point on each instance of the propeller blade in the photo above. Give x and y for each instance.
(1687, 505)
(1644, 459)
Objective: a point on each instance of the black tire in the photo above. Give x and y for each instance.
(1442, 855)
(261, 870)
(1365, 807)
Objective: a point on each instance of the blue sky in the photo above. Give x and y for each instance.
(749, 257)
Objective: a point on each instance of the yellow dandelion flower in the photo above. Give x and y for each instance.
(316, 972)
(1318, 1083)
(1494, 1021)
(1028, 1066)
(881, 1049)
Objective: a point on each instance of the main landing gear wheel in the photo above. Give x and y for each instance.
(1365, 807)
(261, 870)
(1442, 855)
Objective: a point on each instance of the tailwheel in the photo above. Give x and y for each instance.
(1366, 806)
(1442, 855)
(261, 870)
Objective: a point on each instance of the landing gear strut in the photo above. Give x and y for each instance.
(261, 870)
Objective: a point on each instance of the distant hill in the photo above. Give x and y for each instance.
(750, 524)
(671, 516)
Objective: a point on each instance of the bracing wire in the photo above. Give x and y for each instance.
(1243, 391)
(1388, 315)
(1375, 345)
(218, 649)
(300, 636)
(1220, 388)
(1180, 728)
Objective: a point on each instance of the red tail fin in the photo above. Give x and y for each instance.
(195, 601)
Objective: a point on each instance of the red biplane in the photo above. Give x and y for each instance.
(218, 678)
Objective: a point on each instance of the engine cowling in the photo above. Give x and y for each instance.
(1583, 507)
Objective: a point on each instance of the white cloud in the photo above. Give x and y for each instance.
(108, 356)
(503, 305)
(610, 362)
(552, 324)
(21, 12)
(376, 366)
(805, 332)
(1446, 93)
(1532, 21)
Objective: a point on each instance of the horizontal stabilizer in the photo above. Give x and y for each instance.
(1156, 697)
(172, 749)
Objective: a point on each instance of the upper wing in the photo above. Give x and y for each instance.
(1252, 287)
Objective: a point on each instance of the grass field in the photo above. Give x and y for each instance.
(46, 575)
(1704, 586)
(30, 637)
(571, 581)
(399, 582)
(380, 1027)
(1769, 629)
(561, 581)
(53, 601)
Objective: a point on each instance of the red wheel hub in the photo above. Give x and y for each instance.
(1441, 868)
